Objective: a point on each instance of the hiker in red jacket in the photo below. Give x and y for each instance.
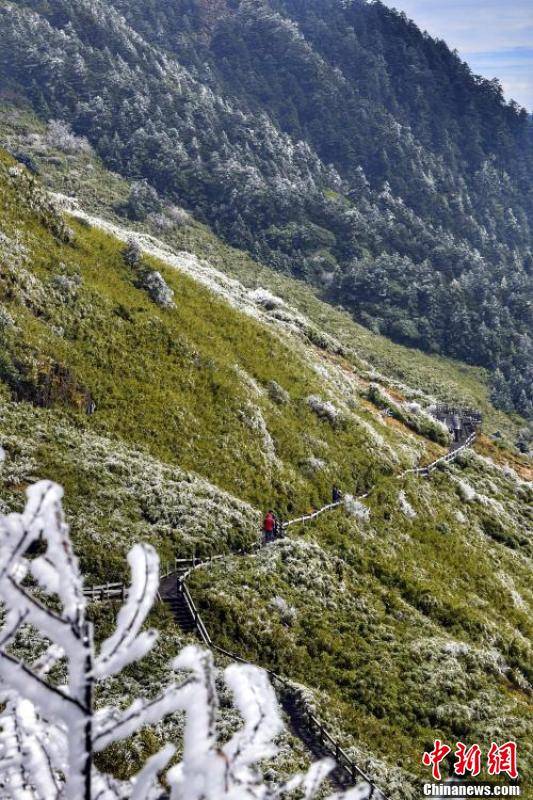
(269, 526)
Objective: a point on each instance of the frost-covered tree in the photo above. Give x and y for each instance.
(338, 167)
(143, 200)
(50, 728)
(59, 134)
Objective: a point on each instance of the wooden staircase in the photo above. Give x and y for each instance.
(305, 727)
(303, 724)
(173, 591)
(171, 594)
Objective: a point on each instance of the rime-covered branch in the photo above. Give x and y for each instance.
(49, 731)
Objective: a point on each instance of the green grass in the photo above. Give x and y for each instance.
(103, 192)
(404, 630)
(176, 453)
(166, 380)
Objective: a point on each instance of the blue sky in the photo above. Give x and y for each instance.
(494, 36)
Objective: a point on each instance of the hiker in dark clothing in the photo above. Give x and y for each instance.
(269, 526)
(457, 427)
(336, 494)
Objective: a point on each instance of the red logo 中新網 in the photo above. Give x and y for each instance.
(500, 759)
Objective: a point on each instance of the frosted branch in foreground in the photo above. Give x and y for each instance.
(49, 731)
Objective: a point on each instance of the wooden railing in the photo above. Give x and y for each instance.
(341, 758)
(171, 566)
(105, 591)
(114, 590)
(195, 614)
(447, 459)
(184, 567)
(312, 514)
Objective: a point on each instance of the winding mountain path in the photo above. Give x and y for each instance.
(173, 590)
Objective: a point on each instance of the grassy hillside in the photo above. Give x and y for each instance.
(179, 425)
(311, 135)
(79, 173)
(410, 625)
(201, 386)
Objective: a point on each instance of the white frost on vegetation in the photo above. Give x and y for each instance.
(164, 499)
(258, 303)
(355, 508)
(59, 134)
(255, 421)
(249, 381)
(324, 409)
(286, 612)
(49, 733)
(312, 465)
(264, 298)
(509, 586)
(467, 492)
(158, 289)
(405, 506)
(500, 470)
(377, 439)
(470, 495)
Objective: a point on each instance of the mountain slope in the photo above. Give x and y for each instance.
(333, 140)
(179, 424)
(67, 165)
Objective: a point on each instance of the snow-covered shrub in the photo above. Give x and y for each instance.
(467, 492)
(324, 409)
(13, 251)
(142, 201)
(266, 299)
(50, 730)
(59, 134)
(249, 381)
(253, 418)
(158, 289)
(178, 215)
(312, 465)
(34, 197)
(132, 253)
(287, 612)
(161, 222)
(67, 285)
(410, 414)
(6, 320)
(277, 393)
(355, 508)
(405, 506)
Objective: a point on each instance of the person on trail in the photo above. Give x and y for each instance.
(457, 427)
(336, 494)
(269, 526)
